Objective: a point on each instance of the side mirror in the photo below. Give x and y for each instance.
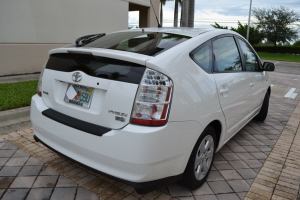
(268, 66)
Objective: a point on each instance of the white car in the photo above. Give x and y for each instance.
(150, 106)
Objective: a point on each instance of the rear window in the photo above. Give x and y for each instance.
(147, 43)
(96, 66)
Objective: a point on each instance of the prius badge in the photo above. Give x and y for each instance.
(76, 77)
(120, 116)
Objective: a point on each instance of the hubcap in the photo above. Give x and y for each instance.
(204, 157)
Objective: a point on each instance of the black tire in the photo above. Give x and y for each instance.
(191, 178)
(262, 115)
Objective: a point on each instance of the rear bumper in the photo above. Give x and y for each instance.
(136, 155)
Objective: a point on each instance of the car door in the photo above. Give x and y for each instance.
(231, 81)
(256, 76)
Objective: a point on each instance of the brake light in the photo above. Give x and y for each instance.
(153, 99)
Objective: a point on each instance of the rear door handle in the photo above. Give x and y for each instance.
(224, 90)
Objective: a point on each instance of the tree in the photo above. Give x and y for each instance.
(297, 43)
(176, 12)
(216, 25)
(277, 24)
(255, 35)
(191, 13)
(162, 3)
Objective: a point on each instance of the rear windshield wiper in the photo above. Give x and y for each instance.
(87, 39)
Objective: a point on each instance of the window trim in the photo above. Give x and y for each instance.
(192, 53)
(214, 58)
(242, 53)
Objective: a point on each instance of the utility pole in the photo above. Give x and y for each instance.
(248, 29)
(185, 12)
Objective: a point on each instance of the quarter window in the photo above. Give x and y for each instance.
(227, 57)
(202, 56)
(249, 56)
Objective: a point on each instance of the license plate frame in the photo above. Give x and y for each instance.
(83, 98)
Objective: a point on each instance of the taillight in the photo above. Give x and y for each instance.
(39, 88)
(153, 99)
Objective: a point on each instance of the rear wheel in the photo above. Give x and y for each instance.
(262, 115)
(201, 159)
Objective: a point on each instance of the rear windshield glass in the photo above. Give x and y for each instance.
(96, 66)
(147, 43)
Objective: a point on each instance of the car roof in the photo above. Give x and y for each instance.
(186, 31)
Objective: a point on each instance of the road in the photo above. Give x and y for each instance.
(285, 77)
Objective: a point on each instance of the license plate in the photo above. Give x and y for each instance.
(79, 95)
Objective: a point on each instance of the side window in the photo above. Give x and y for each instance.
(250, 58)
(202, 56)
(227, 57)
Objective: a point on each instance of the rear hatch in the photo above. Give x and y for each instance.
(97, 87)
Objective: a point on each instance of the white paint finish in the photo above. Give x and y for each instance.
(290, 92)
(141, 153)
(108, 95)
(59, 21)
(128, 153)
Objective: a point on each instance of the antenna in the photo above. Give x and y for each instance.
(159, 26)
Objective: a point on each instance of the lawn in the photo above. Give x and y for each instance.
(15, 95)
(278, 56)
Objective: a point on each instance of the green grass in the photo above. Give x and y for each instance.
(278, 56)
(15, 95)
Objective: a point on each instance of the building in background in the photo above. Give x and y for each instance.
(30, 28)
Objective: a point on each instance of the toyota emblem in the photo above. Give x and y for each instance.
(76, 77)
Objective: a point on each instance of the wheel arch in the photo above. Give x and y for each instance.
(216, 124)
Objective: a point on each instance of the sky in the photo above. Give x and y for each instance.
(225, 13)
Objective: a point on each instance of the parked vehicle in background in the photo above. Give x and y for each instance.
(150, 106)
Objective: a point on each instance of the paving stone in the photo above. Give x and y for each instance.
(239, 185)
(14, 162)
(231, 196)
(230, 174)
(10, 146)
(245, 156)
(204, 189)
(45, 181)
(23, 182)
(3, 161)
(214, 176)
(15, 194)
(218, 157)
(259, 155)
(238, 164)
(65, 182)
(5, 182)
(10, 171)
(39, 194)
(48, 171)
(225, 149)
(241, 195)
(177, 190)
(30, 170)
(247, 173)
(230, 156)
(84, 194)
(34, 161)
(7, 153)
(219, 165)
(253, 163)
(130, 197)
(63, 193)
(251, 149)
(219, 187)
(206, 197)
(20, 153)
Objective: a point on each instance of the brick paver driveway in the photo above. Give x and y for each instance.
(243, 168)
